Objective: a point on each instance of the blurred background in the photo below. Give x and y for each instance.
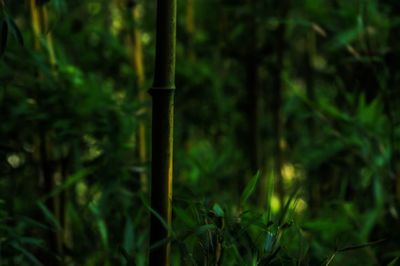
(286, 132)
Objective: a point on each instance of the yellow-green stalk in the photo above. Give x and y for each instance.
(137, 56)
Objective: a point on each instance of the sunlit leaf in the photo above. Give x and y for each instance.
(269, 242)
(219, 212)
(250, 187)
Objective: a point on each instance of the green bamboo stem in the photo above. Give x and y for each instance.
(51, 176)
(162, 130)
(137, 62)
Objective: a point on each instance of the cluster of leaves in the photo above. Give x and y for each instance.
(339, 109)
(8, 24)
(340, 141)
(84, 118)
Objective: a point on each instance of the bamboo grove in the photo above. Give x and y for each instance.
(279, 146)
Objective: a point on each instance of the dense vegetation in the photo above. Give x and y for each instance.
(286, 135)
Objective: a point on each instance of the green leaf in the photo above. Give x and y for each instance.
(27, 254)
(393, 262)
(101, 224)
(33, 223)
(31, 241)
(71, 180)
(184, 216)
(3, 36)
(129, 259)
(158, 216)
(269, 242)
(103, 231)
(250, 187)
(59, 5)
(379, 193)
(161, 242)
(344, 38)
(15, 30)
(219, 212)
(285, 209)
(129, 236)
(204, 228)
(270, 192)
(361, 245)
(49, 216)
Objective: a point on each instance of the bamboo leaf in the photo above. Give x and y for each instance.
(27, 254)
(344, 38)
(128, 258)
(219, 212)
(287, 205)
(129, 236)
(101, 224)
(204, 228)
(270, 192)
(49, 216)
(15, 30)
(160, 243)
(250, 187)
(184, 216)
(71, 180)
(361, 245)
(393, 262)
(31, 241)
(158, 216)
(103, 231)
(33, 223)
(269, 242)
(330, 259)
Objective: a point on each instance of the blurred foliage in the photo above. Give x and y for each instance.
(340, 141)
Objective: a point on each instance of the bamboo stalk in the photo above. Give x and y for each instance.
(35, 24)
(51, 177)
(162, 94)
(137, 56)
(58, 201)
(49, 37)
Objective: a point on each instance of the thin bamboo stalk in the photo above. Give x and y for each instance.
(49, 37)
(162, 94)
(51, 177)
(35, 23)
(137, 56)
